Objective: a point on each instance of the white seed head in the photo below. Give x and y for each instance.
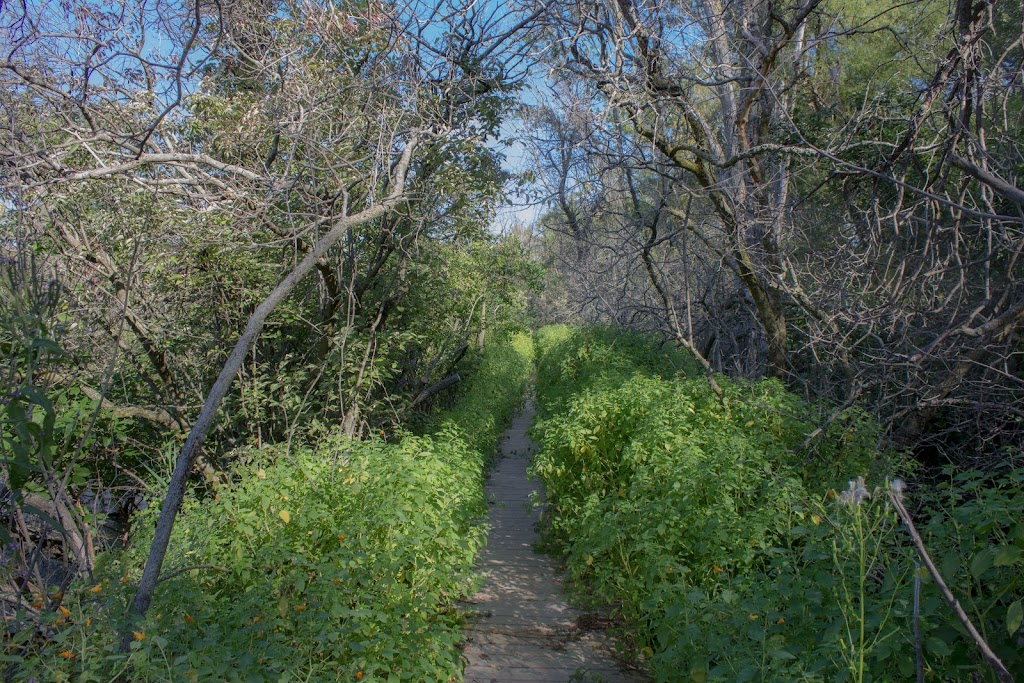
(856, 493)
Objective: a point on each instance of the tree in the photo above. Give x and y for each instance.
(707, 86)
(838, 161)
(338, 137)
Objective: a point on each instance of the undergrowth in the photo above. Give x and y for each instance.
(342, 562)
(723, 544)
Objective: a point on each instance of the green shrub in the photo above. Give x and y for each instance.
(569, 359)
(342, 562)
(493, 394)
(974, 526)
(722, 543)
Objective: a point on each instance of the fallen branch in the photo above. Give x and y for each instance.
(183, 570)
(854, 395)
(440, 386)
(155, 415)
(896, 496)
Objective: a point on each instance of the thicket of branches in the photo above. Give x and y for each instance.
(251, 222)
(824, 192)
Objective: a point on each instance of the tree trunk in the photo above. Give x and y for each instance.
(189, 452)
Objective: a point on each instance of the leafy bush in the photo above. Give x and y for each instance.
(493, 394)
(341, 562)
(725, 547)
(569, 359)
(973, 522)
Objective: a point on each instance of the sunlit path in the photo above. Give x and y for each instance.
(524, 629)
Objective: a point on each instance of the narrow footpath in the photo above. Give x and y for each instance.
(523, 629)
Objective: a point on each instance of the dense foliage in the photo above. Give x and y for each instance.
(339, 562)
(266, 227)
(828, 192)
(248, 273)
(721, 540)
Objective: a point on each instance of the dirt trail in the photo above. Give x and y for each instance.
(524, 630)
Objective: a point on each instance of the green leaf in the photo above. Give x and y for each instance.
(1008, 555)
(282, 607)
(1014, 616)
(937, 646)
(747, 673)
(783, 655)
(950, 566)
(47, 345)
(981, 563)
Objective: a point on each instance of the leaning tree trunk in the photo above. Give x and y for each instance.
(186, 459)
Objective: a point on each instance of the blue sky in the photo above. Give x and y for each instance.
(517, 159)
